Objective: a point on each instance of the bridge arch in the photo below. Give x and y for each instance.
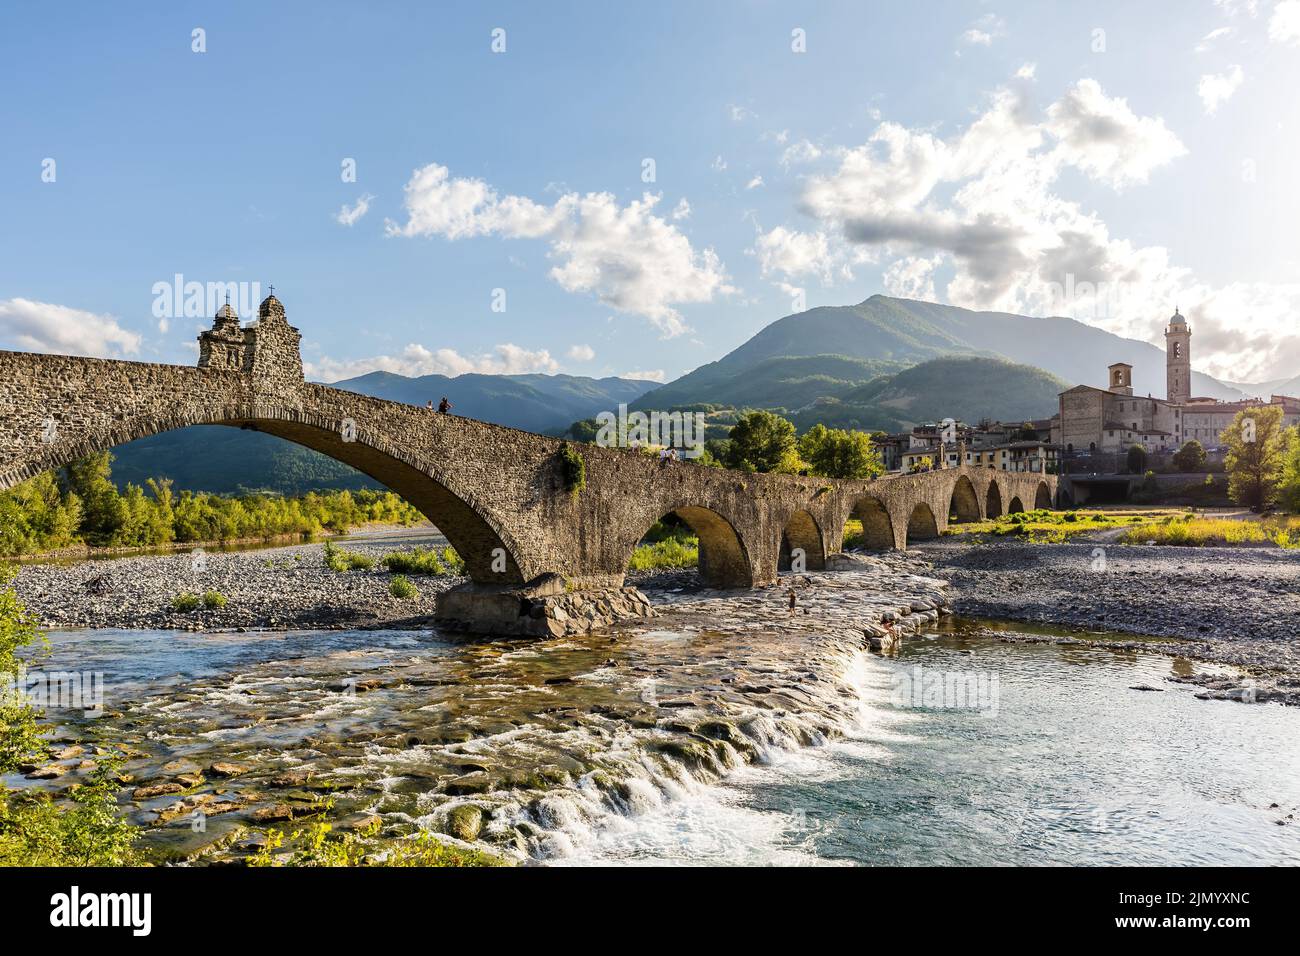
(921, 524)
(964, 504)
(993, 501)
(488, 549)
(1015, 505)
(724, 561)
(877, 526)
(803, 532)
(1043, 496)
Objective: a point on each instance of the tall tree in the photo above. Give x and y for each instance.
(1137, 459)
(840, 453)
(1289, 484)
(762, 441)
(1256, 441)
(1190, 457)
(103, 511)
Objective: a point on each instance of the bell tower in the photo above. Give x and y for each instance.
(1178, 359)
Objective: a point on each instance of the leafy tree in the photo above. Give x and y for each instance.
(1289, 485)
(762, 441)
(584, 430)
(1190, 457)
(838, 453)
(36, 516)
(103, 510)
(1137, 459)
(1254, 460)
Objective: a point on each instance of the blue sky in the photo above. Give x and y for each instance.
(993, 155)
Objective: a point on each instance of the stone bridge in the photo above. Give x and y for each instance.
(502, 497)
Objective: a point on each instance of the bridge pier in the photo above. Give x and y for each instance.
(545, 607)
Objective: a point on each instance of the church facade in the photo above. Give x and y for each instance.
(1112, 419)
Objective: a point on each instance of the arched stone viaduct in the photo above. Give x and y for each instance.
(500, 495)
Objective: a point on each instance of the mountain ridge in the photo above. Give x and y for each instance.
(912, 331)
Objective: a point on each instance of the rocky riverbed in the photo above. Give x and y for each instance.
(287, 588)
(1234, 606)
(520, 745)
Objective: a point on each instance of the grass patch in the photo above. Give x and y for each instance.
(401, 587)
(1193, 532)
(674, 552)
(316, 846)
(425, 561)
(339, 560)
(853, 536)
(1052, 527)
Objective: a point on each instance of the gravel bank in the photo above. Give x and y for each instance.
(270, 589)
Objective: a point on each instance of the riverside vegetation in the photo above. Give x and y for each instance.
(86, 828)
(80, 507)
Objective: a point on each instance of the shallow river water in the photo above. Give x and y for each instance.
(572, 749)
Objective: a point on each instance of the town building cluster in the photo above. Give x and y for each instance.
(1093, 425)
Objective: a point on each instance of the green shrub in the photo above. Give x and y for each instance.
(401, 587)
(339, 560)
(213, 600)
(453, 561)
(185, 602)
(35, 828)
(574, 469)
(669, 553)
(416, 561)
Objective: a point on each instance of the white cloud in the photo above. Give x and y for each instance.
(581, 353)
(782, 251)
(1284, 24)
(800, 152)
(1215, 89)
(718, 164)
(1106, 139)
(1210, 38)
(681, 211)
(653, 375)
(912, 277)
(1027, 72)
(739, 114)
(46, 327)
(348, 215)
(985, 30)
(1235, 7)
(979, 219)
(416, 360)
(629, 258)
(755, 182)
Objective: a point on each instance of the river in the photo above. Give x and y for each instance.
(573, 749)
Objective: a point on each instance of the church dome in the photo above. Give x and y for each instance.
(1178, 318)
